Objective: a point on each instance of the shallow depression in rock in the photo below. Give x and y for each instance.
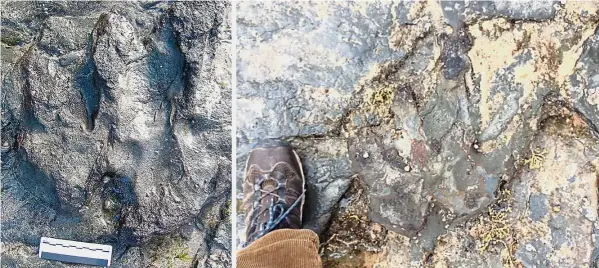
(105, 112)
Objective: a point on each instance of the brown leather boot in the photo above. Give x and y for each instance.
(273, 189)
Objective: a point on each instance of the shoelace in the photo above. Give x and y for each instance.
(274, 208)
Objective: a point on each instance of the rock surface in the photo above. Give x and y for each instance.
(444, 111)
(115, 129)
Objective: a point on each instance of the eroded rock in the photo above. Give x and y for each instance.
(115, 126)
(437, 121)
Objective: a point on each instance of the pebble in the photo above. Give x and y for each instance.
(108, 204)
(529, 247)
(557, 209)
(103, 222)
(407, 168)
(365, 155)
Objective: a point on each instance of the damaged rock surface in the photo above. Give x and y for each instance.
(115, 129)
(443, 111)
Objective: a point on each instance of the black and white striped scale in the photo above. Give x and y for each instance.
(75, 252)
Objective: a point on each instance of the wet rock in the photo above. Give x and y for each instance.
(119, 200)
(457, 13)
(562, 235)
(584, 83)
(534, 254)
(459, 248)
(527, 10)
(538, 206)
(454, 48)
(298, 73)
(114, 132)
(396, 196)
(440, 120)
(351, 235)
(327, 167)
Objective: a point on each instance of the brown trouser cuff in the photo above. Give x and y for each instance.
(293, 248)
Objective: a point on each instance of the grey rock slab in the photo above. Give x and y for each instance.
(534, 254)
(456, 13)
(556, 204)
(458, 249)
(435, 155)
(397, 198)
(302, 72)
(327, 167)
(584, 83)
(116, 123)
(297, 68)
(538, 206)
(440, 125)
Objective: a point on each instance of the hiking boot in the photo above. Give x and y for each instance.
(273, 189)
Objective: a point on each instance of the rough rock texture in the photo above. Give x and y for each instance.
(115, 129)
(442, 110)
